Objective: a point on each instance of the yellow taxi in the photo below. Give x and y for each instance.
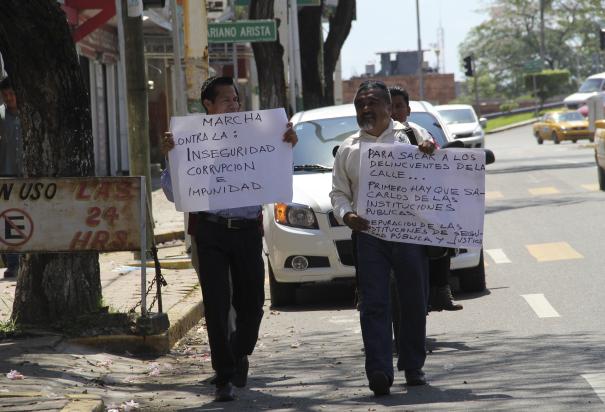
(563, 125)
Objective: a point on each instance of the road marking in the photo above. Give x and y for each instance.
(541, 306)
(597, 381)
(493, 195)
(546, 252)
(498, 256)
(543, 191)
(592, 187)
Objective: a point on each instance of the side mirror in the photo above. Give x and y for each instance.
(483, 122)
(489, 157)
(334, 150)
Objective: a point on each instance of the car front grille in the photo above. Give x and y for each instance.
(462, 135)
(345, 251)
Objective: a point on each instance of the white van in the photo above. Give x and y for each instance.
(592, 86)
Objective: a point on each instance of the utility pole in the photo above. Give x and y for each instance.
(420, 56)
(136, 86)
(196, 51)
(178, 93)
(542, 5)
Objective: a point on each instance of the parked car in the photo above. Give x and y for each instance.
(599, 147)
(463, 123)
(593, 85)
(303, 240)
(562, 125)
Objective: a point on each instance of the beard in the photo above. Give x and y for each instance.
(366, 123)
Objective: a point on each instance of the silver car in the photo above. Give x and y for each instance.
(463, 123)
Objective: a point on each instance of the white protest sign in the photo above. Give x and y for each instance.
(230, 160)
(412, 197)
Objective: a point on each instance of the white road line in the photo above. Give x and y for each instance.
(541, 306)
(498, 255)
(597, 381)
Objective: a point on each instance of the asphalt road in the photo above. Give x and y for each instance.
(534, 340)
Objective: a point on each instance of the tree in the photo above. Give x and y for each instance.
(547, 83)
(511, 37)
(54, 110)
(319, 58)
(269, 63)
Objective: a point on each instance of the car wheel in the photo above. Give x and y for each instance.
(601, 173)
(282, 294)
(540, 140)
(555, 138)
(574, 141)
(472, 279)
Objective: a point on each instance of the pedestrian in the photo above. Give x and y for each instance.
(440, 294)
(229, 244)
(11, 155)
(377, 257)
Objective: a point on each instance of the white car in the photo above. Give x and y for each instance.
(303, 241)
(463, 123)
(592, 86)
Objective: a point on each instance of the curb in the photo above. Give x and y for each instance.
(183, 316)
(173, 263)
(169, 236)
(512, 126)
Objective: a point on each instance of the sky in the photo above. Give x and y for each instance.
(380, 26)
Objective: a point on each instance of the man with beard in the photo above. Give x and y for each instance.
(376, 257)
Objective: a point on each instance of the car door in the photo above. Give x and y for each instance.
(546, 127)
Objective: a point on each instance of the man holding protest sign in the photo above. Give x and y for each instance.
(377, 257)
(229, 242)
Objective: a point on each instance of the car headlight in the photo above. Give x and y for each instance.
(295, 215)
(478, 132)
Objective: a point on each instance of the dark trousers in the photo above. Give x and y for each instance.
(439, 270)
(409, 263)
(240, 250)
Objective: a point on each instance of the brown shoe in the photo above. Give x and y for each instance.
(442, 299)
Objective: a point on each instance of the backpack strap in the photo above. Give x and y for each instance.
(411, 135)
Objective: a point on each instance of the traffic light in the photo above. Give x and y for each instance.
(468, 66)
(602, 38)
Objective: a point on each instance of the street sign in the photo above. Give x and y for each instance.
(532, 66)
(242, 31)
(70, 214)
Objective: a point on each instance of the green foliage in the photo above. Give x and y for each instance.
(509, 105)
(547, 83)
(510, 38)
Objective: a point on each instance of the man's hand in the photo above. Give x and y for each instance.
(427, 147)
(167, 143)
(356, 222)
(290, 135)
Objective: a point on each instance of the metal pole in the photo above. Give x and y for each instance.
(143, 217)
(420, 57)
(235, 71)
(178, 93)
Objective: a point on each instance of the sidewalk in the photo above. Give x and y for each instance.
(121, 281)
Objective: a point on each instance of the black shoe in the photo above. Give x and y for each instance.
(379, 383)
(224, 393)
(240, 377)
(442, 299)
(415, 377)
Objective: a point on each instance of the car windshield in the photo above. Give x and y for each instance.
(591, 85)
(317, 138)
(454, 116)
(568, 117)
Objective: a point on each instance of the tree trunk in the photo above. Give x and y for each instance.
(340, 26)
(269, 62)
(54, 110)
(311, 42)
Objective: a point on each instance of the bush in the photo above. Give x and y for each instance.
(508, 106)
